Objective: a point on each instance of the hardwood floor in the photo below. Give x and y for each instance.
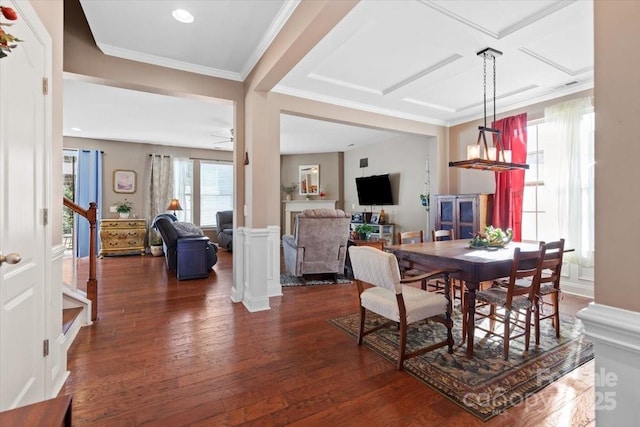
(172, 353)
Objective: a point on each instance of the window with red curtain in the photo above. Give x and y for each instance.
(507, 202)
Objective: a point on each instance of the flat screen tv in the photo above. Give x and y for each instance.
(374, 190)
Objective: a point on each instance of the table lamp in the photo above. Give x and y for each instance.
(174, 206)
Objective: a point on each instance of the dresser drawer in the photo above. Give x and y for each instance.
(123, 223)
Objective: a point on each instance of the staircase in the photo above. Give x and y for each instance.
(76, 313)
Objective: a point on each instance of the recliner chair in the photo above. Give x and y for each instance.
(187, 250)
(319, 243)
(224, 224)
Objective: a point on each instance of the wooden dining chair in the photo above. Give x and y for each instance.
(513, 299)
(438, 285)
(437, 235)
(406, 237)
(382, 291)
(550, 287)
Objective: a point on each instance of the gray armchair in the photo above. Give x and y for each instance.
(224, 224)
(319, 243)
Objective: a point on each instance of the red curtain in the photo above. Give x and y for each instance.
(507, 202)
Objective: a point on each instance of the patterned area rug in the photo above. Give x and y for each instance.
(291, 280)
(486, 385)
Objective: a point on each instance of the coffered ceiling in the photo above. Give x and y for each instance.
(407, 58)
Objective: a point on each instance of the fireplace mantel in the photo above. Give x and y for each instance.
(292, 207)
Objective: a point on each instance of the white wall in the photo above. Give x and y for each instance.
(405, 158)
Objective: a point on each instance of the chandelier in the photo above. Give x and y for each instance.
(494, 158)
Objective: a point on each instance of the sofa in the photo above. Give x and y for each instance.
(187, 250)
(319, 242)
(224, 225)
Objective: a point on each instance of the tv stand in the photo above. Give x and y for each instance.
(383, 232)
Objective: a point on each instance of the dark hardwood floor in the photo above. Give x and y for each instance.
(172, 353)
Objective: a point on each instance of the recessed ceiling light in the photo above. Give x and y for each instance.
(183, 16)
(76, 129)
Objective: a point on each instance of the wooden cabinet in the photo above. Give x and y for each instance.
(122, 236)
(382, 232)
(465, 214)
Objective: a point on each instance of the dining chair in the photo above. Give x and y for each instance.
(437, 235)
(438, 285)
(406, 237)
(526, 269)
(550, 286)
(391, 297)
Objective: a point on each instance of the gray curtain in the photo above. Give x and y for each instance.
(160, 184)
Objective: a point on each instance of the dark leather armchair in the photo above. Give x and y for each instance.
(186, 249)
(224, 224)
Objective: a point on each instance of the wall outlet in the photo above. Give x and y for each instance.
(112, 209)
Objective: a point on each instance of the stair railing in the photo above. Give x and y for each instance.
(92, 283)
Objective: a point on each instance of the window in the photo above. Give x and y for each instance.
(203, 188)
(216, 190)
(551, 207)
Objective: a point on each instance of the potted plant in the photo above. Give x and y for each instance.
(364, 230)
(124, 208)
(289, 189)
(155, 243)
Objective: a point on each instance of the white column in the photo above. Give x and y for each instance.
(274, 288)
(616, 336)
(251, 268)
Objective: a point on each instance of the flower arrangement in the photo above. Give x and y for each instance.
(289, 189)
(7, 41)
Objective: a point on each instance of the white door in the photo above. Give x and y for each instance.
(23, 197)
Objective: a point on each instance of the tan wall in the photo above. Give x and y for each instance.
(467, 181)
(405, 159)
(617, 107)
(133, 156)
(330, 172)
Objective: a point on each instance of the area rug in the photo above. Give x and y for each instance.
(486, 385)
(291, 280)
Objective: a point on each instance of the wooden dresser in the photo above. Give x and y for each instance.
(122, 236)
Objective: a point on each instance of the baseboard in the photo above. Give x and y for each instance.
(616, 336)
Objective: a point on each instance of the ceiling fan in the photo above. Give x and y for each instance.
(224, 142)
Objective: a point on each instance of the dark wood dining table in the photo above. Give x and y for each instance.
(473, 266)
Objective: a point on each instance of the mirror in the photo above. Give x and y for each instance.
(309, 179)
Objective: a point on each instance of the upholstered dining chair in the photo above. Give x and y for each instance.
(526, 269)
(391, 297)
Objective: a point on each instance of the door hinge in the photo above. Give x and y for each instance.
(45, 348)
(45, 86)
(45, 216)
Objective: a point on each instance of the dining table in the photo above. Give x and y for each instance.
(471, 265)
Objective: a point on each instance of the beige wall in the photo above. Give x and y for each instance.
(617, 108)
(404, 157)
(134, 156)
(331, 165)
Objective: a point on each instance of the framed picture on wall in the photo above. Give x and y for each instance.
(124, 181)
